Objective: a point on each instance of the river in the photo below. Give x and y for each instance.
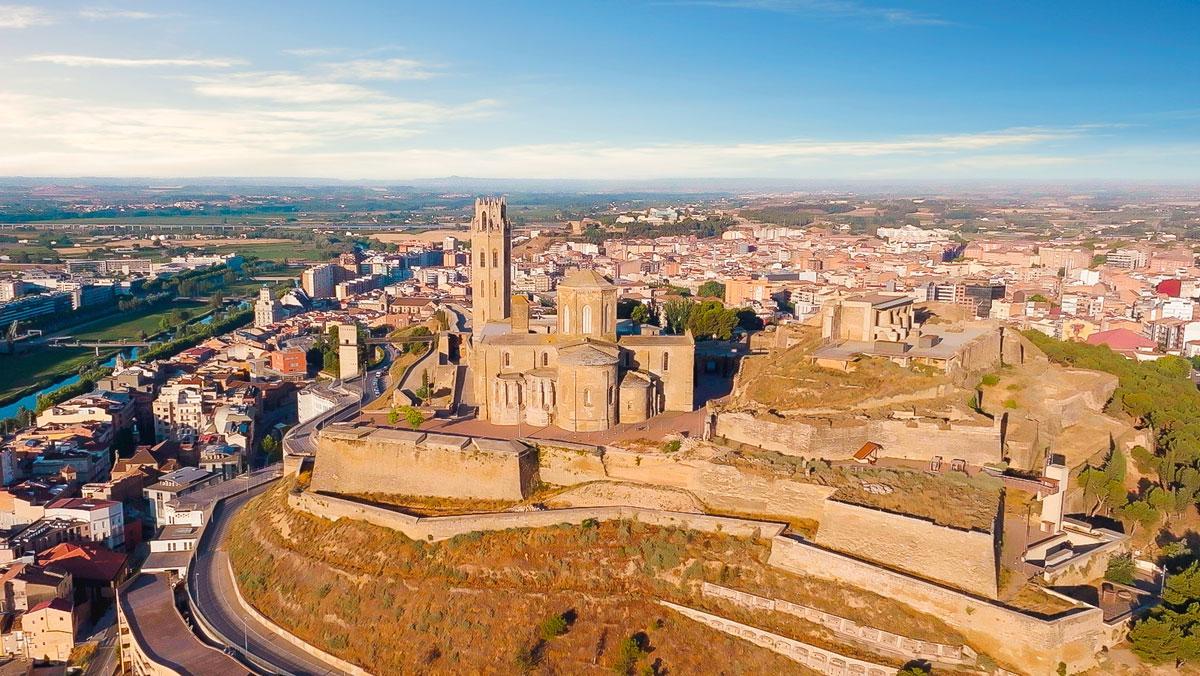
(30, 401)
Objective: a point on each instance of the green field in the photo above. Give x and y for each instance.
(272, 251)
(38, 368)
(128, 325)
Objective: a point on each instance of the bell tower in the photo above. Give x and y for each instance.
(491, 262)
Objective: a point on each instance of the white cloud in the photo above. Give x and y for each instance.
(23, 16)
(380, 69)
(107, 13)
(82, 61)
(56, 136)
(388, 138)
(313, 51)
(282, 88)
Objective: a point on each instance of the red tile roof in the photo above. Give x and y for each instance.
(85, 561)
(1121, 340)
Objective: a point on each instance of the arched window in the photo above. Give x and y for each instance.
(545, 359)
(587, 319)
(495, 259)
(567, 319)
(666, 360)
(482, 257)
(508, 359)
(587, 397)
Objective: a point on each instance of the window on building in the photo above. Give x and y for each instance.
(587, 319)
(610, 395)
(495, 259)
(508, 359)
(587, 397)
(567, 319)
(545, 359)
(666, 361)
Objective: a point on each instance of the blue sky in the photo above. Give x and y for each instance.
(621, 89)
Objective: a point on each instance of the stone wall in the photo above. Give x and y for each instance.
(361, 460)
(1033, 645)
(818, 659)
(720, 487)
(908, 648)
(445, 527)
(908, 439)
(958, 557)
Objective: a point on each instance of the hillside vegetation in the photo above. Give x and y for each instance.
(487, 602)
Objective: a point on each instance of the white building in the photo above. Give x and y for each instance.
(105, 519)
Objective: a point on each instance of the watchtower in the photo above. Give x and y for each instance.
(491, 269)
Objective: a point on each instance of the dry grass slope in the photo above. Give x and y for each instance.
(474, 604)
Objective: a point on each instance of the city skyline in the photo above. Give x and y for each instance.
(771, 89)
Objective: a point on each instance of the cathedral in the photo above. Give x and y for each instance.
(573, 372)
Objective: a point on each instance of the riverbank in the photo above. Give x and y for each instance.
(47, 369)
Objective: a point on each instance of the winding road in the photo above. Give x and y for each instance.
(211, 586)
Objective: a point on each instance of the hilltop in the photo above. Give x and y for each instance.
(478, 603)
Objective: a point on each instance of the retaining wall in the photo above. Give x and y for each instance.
(909, 648)
(954, 556)
(908, 439)
(1031, 644)
(820, 660)
(444, 527)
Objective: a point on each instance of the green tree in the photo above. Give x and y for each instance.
(710, 319)
(1138, 513)
(1105, 485)
(1170, 634)
(393, 416)
(1156, 640)
(711, 289)
(412, 416)
(640, 314)
(1120, 569)
(677, 312)
(270, 448)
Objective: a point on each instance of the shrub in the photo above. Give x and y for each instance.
(1010, 403)
(552, 627)
(990, 379)
(628, 655)
(1120, 569)
(672, 445)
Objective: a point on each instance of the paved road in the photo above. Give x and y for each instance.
(211, 584)
(104, 662)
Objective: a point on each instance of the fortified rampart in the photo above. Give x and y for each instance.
(362, 460)
(444, 527)
(910, 439)
(1033, 644)
(966, 559)
(720, 487)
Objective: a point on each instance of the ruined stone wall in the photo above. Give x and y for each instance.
(819, 660)
(909, 648)
(924, 439)
(566, 464)
(912, 440)
(361, 466)
(1021, 641)
(956, 557)
(719, 487)
(445, 527)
